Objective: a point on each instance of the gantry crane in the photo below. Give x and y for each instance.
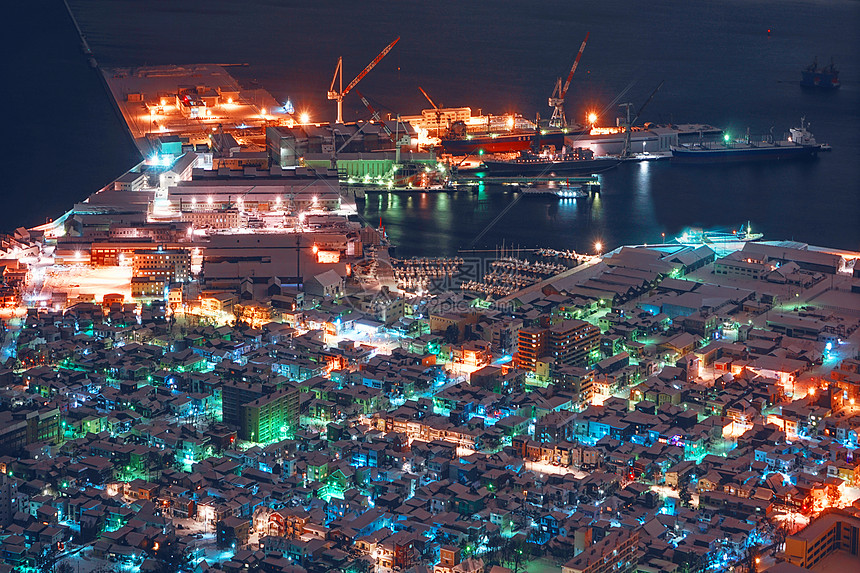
(556, 101)
(338, 75)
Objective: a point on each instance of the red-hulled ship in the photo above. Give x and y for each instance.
(459, 141)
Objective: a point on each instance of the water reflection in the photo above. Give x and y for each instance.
(637, 202)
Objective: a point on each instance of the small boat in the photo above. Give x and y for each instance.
(561, 192)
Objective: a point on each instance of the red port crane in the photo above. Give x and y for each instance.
(338, 75)
(556, 101)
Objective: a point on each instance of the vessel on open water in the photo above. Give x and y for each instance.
(826, 77)
(800, 144)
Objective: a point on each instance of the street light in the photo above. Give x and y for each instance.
(598, 246)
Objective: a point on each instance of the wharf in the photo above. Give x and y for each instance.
(147, 98)
(473, 180)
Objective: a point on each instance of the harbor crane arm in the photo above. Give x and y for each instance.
(556, 101)
(575, 64)
(428, 98)
(351, 137)
(339, 94)
(374, 115)
(438, 111)
(335, 152)
(370, 66)
(338, 70)
(641, 109)
(629, 127)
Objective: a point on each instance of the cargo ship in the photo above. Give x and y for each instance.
(799, 145)
(577, 160)
(489, 143)
(815, 77)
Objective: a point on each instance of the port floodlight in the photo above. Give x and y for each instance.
(305, 117)
(726, 138)
(598, 246)
(592, 118)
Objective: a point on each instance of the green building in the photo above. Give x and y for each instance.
(271, 417)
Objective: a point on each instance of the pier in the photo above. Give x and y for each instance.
(473, 180)
(589, 184)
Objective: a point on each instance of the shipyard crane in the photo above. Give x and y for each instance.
(438, 112)
(625, 152)
(338, 76)
(556, 101)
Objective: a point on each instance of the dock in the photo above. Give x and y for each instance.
(474, 180)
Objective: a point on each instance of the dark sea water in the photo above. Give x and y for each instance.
(718, 61)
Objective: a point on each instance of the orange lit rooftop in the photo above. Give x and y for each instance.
(147, 98)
